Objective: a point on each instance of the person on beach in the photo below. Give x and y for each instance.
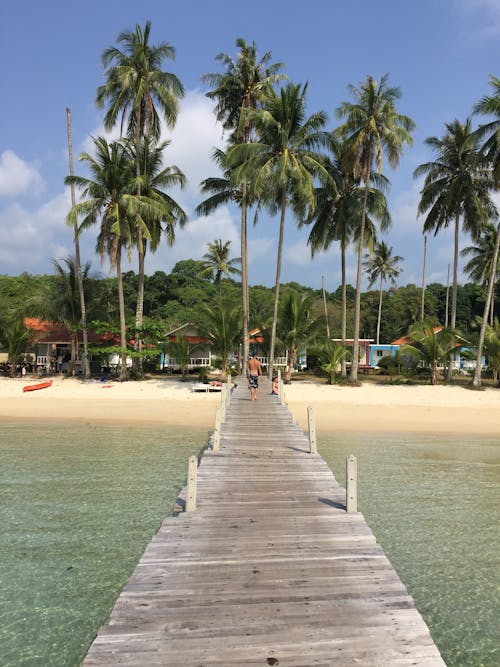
(275, 389)
(254, 370)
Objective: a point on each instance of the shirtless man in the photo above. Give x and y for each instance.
(254, 370)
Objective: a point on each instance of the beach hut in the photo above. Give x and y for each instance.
(199, 354)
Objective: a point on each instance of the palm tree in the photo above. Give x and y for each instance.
(372, 127)
(478, 268)
(433, 346)
(491, 148)
(338, 212)
(243, 85)
(492, 347)
(110, 199)
(217, 263)
(224, 331)
(281, 165)
(476, 381)
(135, 87)
(14, 336)
(331, 355)
(63, 304)
(382, 266)
(298, 327)
(457, 186)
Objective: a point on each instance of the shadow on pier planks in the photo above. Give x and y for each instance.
(269, 569)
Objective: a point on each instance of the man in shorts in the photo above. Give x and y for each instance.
(254, 370)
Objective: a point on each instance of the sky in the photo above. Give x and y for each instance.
(440, 53)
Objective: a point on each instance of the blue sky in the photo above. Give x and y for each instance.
(439, 52)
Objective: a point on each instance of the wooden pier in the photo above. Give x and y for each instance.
(269, 569)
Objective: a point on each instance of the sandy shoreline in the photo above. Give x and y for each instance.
(370, 408)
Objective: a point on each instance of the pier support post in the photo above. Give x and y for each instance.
(191, 484)
(351, 484)
(216, 434)
(313, 447)
(223, 399)
(280, 388)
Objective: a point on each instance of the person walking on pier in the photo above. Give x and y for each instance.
(254, 370)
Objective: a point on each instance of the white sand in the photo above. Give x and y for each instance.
(370, 407)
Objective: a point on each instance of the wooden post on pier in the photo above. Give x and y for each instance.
(313, 447)
(216, 434)
(191, 484)
(223, 403)
(351, 484)
(280, 389)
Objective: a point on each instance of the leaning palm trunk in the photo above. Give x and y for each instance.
(123, 326)
(79, 277)
(357, 306)
(454, 288)
(476, 381)
(244, 280)
(277, 286)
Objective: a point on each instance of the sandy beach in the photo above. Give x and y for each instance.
(371, 407)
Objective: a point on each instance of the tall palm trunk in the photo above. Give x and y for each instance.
(454, 289)
(476, 380)
(123, 326)
(353, 378)
(277, 286)
(343, 369)
(79, 276)
(141, 252)
(379, 311)
(244, 279)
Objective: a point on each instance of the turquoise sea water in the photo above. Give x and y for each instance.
(78, 506)
(80, 503)
(434, 505)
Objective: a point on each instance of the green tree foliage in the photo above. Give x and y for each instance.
(433, 347)
(298, 327)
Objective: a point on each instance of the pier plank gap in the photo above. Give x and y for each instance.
(269, 569)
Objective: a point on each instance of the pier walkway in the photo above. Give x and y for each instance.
(268, 570)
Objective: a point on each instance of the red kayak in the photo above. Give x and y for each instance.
(40, 385)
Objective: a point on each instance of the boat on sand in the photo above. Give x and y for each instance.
(39, 385)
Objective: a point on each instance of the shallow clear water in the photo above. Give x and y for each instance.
(434, 505)
(78, 506)
(80, 503)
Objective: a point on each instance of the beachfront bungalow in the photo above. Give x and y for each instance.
(199, 354)
(53, 341)
(378, 352)
(463, 359)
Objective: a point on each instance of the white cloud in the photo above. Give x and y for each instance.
(30, 237)
(191, 242)
(404, 210)
(17, 176)
(193, 140)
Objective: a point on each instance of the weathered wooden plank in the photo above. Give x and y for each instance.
(269, 569)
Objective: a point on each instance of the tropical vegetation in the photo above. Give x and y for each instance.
(279, 157)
